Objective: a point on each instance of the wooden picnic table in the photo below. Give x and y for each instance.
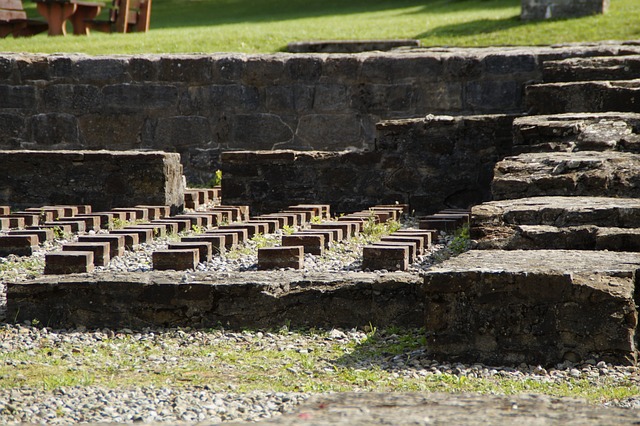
(57, 12)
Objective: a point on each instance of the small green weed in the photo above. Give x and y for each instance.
(461, 241)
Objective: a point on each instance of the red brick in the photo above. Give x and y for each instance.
(217, 241)
(328, 234)
(307, 213)
(196, 221)
(43, 234)
(69, 211)
(252, 228)
(139, 213)
(243, 234)
(5, 210)
(391, 258)
(76, 225)
(427, 235)
(336, 233)
(204, 247)
(131, 239)
(68, 262)
(58, 227)
(312, 243)
(281, 257)
(20, 245)
(231, 238)
(418, 240)
(346, 227)
(324, 210)
(5, 223)
(446, 225)
(242, 211)
(171, 227)
(301, 217)
(15, 222)
(316, 210)
(272, 224)
(51, 213)
(191, 200)
(404, 208)
(158, 230)
(178, 260)
(30, 218)
(156, 212)
(100, 251)
(116, 242)
(91, 222)
(226, 215)
(209, 219)
(183, 224)
(411, 245)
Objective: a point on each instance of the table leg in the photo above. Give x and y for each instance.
(83, 14)
(56, 15)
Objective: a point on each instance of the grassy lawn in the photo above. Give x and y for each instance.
(185, 26)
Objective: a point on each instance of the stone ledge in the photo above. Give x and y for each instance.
(249, 299)
(538, 307)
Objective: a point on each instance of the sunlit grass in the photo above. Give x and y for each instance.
(206, 26)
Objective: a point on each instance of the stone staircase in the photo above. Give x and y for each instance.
(555, 270)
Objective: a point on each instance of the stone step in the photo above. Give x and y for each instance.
(537, 307)
(585, 173)
(589, 237)
(583, 96)
(617, 131)
(592, 69)
(496, 223)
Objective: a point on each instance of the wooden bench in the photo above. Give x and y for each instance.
(57, 12)
(13, 20)
(125, 16)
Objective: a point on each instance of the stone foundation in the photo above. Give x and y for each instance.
(249, 299)
(536, 307)
(102, 179)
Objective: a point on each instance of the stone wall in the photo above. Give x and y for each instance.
(561, 9)
(429, 163)
(102, 179)
(201, 105)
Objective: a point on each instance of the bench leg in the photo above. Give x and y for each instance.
(144, 17)
(83, 14)
(56, 15)
(123, 16)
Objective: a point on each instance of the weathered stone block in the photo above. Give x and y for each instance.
(536, 307)
(576, 173)
(43, 234)
(281, 257)
(68, 262)
(390, 258)
(417, 240)
(312, 243)
(100, 178)
(178, 260)
(412, 246)
(561, 9)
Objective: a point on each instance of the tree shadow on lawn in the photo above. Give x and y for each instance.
(471, 28)
(181, 13)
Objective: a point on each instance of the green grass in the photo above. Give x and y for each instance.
(306, 361)
(180, 26)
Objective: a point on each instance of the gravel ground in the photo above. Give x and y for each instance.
(68, 405)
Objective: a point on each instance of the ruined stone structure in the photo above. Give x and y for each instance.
(202, 105)
(101, 179)
(561, 9)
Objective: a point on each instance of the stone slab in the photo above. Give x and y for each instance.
(561, 9)
(577, 173)
(102, 179)
(624, 67)
(583, 96)
(604, 131)
(257, 299)
(496, 223)
(432, 408)
(537, 307)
